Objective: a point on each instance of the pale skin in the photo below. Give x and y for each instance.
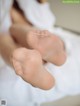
(26, 58)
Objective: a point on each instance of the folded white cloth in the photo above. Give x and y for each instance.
(5, 20)
(38, 14)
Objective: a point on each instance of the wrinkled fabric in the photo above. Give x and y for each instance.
(39, 15)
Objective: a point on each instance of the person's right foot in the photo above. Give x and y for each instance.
(28, 64)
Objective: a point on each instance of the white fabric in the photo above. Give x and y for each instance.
(38, 14)
(5, 20)
(19, 93)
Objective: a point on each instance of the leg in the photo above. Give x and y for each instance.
(18, 18)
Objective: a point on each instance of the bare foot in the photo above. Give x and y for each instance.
(28, 64)
(51, 47)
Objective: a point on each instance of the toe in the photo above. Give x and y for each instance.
(60, 59)
(17, 67)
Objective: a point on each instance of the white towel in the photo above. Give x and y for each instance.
(5, 19)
